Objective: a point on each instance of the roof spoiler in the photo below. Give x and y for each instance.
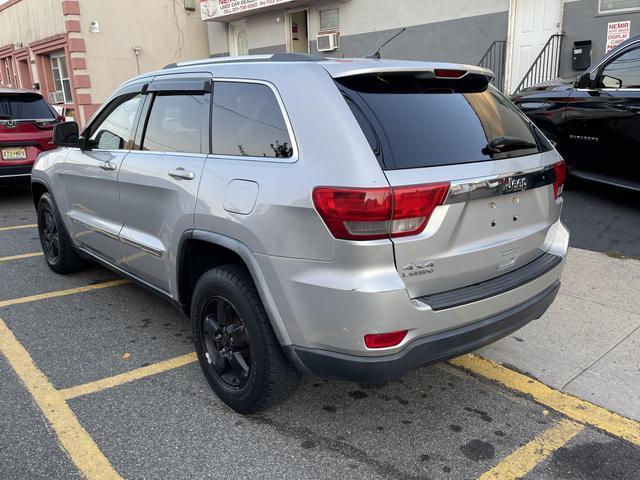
(412, 80)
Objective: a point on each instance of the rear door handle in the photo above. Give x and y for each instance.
(182, 174)
(107, 166)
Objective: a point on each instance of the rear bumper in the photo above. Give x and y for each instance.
(15, 171)
(424, 350)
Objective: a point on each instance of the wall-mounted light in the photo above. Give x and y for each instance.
(94, 27)
(137, 50)
(17, 45)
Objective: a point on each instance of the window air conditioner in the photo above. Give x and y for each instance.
(328, 42)
(56, 97)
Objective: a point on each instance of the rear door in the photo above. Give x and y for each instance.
(501, 203)
(159, 180)
(90, 175)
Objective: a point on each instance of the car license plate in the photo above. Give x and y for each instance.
(14, 153)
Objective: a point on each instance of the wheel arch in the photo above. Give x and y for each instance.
(214, 249)
(38, 188)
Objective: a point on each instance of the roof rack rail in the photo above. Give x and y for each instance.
(274, 57)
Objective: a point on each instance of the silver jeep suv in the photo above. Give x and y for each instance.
(349, 219)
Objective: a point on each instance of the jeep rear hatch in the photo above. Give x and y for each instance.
(472, 191)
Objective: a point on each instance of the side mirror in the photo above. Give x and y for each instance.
(610, 82)
(584, 81)
(66, 134)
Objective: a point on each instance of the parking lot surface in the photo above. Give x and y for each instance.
(99, 380)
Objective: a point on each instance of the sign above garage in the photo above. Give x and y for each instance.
(221, 9)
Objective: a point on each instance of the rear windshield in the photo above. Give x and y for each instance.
(24, 107)
(412, 123)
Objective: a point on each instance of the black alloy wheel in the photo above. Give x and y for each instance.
(226, 342)
(50, 235)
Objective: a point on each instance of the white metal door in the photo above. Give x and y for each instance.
(532, 22)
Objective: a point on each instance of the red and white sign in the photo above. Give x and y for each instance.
(617, 32)
(215, 9)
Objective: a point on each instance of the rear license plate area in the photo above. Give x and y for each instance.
(13, 153)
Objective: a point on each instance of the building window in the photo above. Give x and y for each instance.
(7, 71)
(330, 19)
(62, 84)
(615, 6)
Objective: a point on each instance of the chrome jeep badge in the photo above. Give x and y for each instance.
(515, 185)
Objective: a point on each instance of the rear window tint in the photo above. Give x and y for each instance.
(248, 121)
(24, 107)
(425, 125)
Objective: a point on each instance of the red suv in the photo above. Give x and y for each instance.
(26, 129)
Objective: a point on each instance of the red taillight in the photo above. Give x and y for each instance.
(413, 206)
(354, 214)
(560, 171)
(383, 340)
(449, 73)
(375, 213)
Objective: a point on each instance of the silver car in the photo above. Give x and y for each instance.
(350, 219)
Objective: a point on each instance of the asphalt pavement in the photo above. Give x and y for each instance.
(97, 379)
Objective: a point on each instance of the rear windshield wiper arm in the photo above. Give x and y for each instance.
(506, 144)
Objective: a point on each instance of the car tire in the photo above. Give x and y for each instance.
(59, 252)
(253, 373)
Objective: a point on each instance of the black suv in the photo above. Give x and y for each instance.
(594, 119)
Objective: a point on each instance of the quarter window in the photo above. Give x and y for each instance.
(612, 6)
(175, 124)
(623, 72)
(114, 127)
(248, 121)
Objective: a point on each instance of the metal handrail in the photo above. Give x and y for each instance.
(495, 60)
(546, 65)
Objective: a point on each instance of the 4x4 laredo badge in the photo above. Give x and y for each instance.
(415, 269)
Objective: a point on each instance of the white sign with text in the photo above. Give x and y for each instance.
(211, 9)
(617, 32)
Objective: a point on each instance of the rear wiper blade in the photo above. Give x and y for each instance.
(506, 144)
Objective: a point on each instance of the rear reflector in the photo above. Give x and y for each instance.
(448, 73)
(383, 340)
(560, 171)
(375, 213)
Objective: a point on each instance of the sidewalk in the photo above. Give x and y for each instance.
(588, 342)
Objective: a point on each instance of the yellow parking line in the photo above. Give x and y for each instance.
(72, 436)
(61, 293)
(570, 406)
(525, 458)
(21, 256)
(17, 227)
(137, 374)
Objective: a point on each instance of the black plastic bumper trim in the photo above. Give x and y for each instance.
(15, 170)
(424, 350)
(493, 287)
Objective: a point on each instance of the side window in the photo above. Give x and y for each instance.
(114, 127)
(175, 124)
(248, 121)
(623, 72)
